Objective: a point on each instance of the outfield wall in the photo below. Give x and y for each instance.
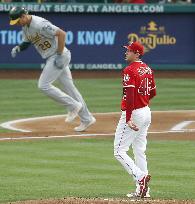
(96, 33)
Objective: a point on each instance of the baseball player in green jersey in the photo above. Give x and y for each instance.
(49, 41)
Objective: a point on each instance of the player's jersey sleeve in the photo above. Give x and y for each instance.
(153, 88)
(48, 30)
(129, 79)
(153, 85)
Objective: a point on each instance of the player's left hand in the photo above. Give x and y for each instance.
(132, 125)
(60, 61)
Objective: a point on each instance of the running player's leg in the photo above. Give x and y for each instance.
(49, 74)
(124, 137)
(69, 88)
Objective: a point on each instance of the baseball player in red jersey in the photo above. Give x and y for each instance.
(138, 88)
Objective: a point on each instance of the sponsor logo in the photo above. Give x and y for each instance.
(152, 36)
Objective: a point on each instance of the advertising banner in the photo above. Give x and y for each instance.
(87, 8)
(96, 40)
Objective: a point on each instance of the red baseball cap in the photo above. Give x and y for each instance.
(135, 47)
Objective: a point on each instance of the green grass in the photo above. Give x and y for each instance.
(86, 167)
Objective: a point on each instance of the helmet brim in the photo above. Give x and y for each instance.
(13, 22)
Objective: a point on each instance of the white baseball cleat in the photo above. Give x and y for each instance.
(83, 126)
(73, 114)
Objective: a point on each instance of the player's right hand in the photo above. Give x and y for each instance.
(132, 125)
(14, 51)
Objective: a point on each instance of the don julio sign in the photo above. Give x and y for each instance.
(152, 35)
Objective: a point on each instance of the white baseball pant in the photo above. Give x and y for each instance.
(70, 95)
(126, 137)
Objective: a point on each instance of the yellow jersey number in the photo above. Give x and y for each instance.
(45, 45)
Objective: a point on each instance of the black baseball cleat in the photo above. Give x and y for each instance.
(143, 183)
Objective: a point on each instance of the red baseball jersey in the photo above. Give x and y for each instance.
(140, 77)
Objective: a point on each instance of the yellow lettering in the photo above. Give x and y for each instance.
(172, 40)
(34, 39)
(133, 37)
(152, 40)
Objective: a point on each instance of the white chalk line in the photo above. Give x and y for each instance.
(181, 125)
(68, 136)
(53, 136)
(9, 125)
